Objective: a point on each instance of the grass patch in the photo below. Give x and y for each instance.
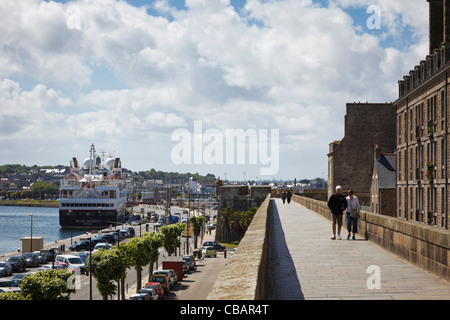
(230, 245)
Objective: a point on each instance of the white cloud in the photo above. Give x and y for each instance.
(289, 65)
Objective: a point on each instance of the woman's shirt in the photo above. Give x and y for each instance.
(354, 203)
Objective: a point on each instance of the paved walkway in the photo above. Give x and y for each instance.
(306, 264)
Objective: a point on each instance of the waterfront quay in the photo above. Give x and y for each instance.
(63, 244)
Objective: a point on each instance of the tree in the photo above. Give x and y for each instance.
(45, 188)
(107, 265)
(139, 252)
(197, 221)
(12, 296)
(48, 285)
(239, 221)
(156, 242)
(225, 216)
(126, 263)
(172, 233)
(27, 194)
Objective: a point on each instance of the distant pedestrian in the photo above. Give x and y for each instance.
(337, 204)
(353, 213)
(289, 196)
(284, 196)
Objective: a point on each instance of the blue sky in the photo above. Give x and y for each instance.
(129, 75)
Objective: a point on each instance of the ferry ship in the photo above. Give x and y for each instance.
(93, 196)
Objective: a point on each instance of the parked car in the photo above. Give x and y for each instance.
(168, 274)
(140, 296)
(102, 245)
(118, 236)
(191, 260)
(131, 230)
(216, 245)
(5, 268)
(31, 259)
(73, 262)
(17, 263)
(45, 268)
(163, 280)
(174, 274)
(82, 245)
(186, 266)
(209, 251)
(99, 239)
(18, 278)
(42, 257)
(156, 286)
(51, 255)
(109, 237)
(126, 233)
(151, 292)
(84, 256)
(7, 285)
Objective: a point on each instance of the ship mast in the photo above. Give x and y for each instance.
(92, 162)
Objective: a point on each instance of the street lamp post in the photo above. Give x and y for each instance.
(31, 235)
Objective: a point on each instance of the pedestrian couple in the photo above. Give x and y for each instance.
(286, 195)
(337, 204)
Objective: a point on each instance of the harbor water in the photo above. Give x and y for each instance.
(16, 222)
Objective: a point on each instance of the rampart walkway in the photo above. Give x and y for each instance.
(304, 263)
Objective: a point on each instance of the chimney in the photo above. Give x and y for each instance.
(446, 23)
(377, 151)
(437, 23)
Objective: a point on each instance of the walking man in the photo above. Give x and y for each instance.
(289, 196)
(337, 204)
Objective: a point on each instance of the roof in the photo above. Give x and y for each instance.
(386, 171)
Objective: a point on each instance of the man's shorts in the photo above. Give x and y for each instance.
(337, 218)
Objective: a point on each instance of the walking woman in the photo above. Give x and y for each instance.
(353, 213)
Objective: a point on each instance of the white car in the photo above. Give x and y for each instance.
(102, 245)
(151, 292)
(73, 262)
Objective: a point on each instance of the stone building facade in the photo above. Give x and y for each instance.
(422, 128)
(383, 191)
(350, 161)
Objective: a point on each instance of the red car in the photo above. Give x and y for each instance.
(157, 287)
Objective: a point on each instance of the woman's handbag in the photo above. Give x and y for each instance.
(353, 211)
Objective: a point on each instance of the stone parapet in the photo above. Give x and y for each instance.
(244, 276)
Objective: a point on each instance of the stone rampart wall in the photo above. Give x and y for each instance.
(244, 276)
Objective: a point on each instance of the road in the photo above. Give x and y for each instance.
(195, 285)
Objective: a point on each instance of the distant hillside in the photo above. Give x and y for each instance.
(152, 174)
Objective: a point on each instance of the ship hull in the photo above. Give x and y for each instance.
(89, 219)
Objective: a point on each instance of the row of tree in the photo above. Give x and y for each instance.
(237, 221)
(107, 266)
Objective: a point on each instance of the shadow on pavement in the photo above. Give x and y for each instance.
(282, 280)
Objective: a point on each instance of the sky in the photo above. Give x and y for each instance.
(242, 89)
